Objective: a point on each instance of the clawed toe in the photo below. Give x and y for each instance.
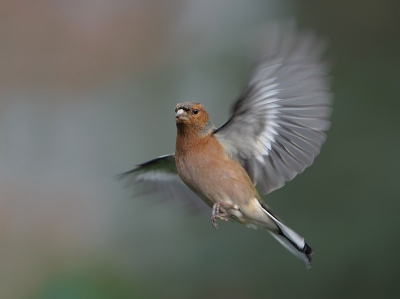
(218, 212)
(214, 220)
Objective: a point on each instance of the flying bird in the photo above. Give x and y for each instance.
(274, 133)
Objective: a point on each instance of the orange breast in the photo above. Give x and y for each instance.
(203, 165)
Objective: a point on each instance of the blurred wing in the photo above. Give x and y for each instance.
(160, 176)
(275, 130)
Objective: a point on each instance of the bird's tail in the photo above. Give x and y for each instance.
(291, 240)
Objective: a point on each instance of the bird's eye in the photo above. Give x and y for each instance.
(176, 110)
(195, 111)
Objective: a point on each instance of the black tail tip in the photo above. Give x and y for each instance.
(307, 249)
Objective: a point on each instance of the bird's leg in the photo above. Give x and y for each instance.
(219, 212)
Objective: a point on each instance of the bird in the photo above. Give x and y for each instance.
(275, 131)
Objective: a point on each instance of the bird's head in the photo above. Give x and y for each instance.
(192, 116)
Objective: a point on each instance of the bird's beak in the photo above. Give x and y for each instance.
(181, 115)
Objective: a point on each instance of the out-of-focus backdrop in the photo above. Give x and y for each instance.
(88, 90)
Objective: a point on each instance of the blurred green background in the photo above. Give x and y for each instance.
(88, 90)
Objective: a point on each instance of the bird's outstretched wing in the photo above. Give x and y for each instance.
(159, 176)
(275, 130)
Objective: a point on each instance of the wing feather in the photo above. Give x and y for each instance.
(275, 130)
(159, 176)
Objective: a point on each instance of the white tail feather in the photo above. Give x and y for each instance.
(289, 246)
(291, 240)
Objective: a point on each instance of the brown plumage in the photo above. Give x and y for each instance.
(206, 169)
(274, 133)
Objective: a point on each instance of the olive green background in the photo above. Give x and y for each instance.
(88, 90)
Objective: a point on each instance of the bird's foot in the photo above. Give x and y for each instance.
(219, 212)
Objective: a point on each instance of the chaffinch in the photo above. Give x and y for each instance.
(274, 133)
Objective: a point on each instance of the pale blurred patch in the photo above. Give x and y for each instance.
(44, 229)
(75, 44)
